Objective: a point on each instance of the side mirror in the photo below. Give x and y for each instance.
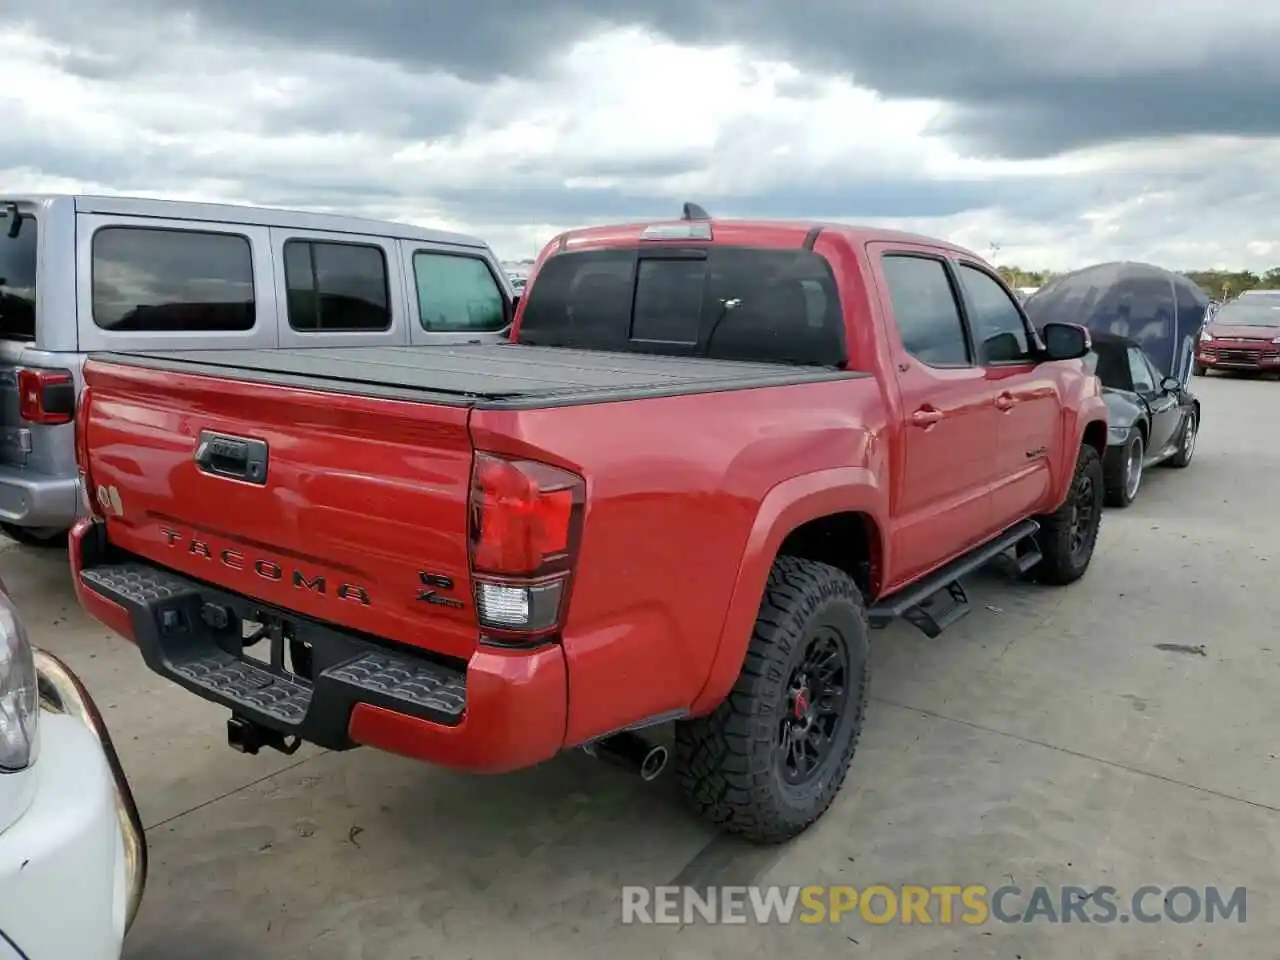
(1065, 341)
(1170, 385)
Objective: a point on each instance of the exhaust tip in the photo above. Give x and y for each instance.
(655, 762)
(632, 751)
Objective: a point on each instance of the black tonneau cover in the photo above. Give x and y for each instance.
(506, 376)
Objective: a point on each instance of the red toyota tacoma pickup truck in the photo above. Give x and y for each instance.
(714, 456)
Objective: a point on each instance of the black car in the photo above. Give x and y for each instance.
(1153, 418)
(1145, 322)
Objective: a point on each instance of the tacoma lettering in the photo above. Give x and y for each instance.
(349, 591)
(266, 569)
(300, 580)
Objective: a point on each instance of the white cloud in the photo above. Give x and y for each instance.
(623, 113)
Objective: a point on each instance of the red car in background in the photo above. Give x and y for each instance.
(1243, 335)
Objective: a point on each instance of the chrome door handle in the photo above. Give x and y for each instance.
(1006, 401)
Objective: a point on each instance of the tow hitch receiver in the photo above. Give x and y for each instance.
(249, 737)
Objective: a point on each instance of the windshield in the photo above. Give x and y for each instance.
(1258, 312)
(18, 281)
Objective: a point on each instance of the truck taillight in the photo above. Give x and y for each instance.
(46, 397)
(525, 522)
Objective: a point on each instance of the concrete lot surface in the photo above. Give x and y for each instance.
(1045, 740)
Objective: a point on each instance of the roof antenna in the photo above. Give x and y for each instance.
(694, 212)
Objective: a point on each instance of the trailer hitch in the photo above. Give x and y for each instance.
(249, 737)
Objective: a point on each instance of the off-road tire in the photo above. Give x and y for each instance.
(727, 760)
(1182, 458)
(1115, 476)
(1060, 564)
(38, 537)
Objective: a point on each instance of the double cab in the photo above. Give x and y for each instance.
(714, 456)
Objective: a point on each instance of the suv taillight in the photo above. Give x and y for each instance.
(526, 518)
(88, 495)
(46, 397)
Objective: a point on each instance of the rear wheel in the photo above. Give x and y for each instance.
(1123, 474)
(1068, 535)
(1187, 441)
(36, 536)
(771, 758)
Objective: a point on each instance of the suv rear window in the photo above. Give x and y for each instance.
(337, 287)
(18, 281)
(151, 278)
(733, 303)
(457, 293)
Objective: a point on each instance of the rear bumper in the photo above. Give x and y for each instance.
(73, 866)
(38, 500)
(499, 711)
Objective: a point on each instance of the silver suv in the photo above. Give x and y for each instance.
(82, 274)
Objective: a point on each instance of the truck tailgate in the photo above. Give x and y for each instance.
(355, 507)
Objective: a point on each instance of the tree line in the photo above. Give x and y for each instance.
(1219, 284)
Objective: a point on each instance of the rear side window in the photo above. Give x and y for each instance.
(925, 310)
(457, 294)
(337, 287)
(738, 303)
(171, 280)
(18, 281)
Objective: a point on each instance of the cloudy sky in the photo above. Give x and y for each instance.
(1065, 131)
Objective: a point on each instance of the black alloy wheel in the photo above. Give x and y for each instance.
(1083, 506)
(813, 708)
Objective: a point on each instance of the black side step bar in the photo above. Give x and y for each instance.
(939, 600)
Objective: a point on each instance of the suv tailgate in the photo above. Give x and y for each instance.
(357, 503)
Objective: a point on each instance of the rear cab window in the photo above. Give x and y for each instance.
(457, 293)
(18, 280)
(726, 302)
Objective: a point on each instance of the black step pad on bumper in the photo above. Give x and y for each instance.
(191, 633)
